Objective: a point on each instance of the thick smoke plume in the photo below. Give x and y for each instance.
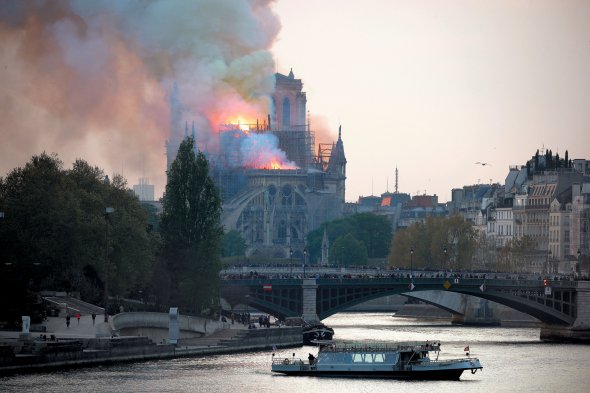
(94, 79)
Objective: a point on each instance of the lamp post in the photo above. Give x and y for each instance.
(578, 262)
(304, 260)
(551, 267)
(107, 212)
(291, 259)
(412, 262)
(445, 260)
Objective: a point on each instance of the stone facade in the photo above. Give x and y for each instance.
(275, 209)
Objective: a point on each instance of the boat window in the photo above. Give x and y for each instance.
(357, 358)
(378, 358)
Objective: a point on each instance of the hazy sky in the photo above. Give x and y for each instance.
(434, 86)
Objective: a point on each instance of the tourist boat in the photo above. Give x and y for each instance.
(399, 360)
(316, 331)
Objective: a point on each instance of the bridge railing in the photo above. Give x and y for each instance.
(323, 273)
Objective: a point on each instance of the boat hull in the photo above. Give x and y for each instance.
(418, 375)
(435, 370)
(317, 333)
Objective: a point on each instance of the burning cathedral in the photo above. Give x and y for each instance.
(276, 184)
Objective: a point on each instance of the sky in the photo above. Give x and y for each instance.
(430, 87)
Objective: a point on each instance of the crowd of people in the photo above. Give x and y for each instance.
(230, 274)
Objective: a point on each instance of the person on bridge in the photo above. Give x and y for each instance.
(93, 318)
(68, 320)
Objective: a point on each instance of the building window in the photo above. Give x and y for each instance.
(286, 112)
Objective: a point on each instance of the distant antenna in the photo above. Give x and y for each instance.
(387, 188)
(396, 179)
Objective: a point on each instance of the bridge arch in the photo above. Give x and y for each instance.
(554, 307)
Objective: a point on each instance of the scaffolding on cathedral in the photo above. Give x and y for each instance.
(228, 168)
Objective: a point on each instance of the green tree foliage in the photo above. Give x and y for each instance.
(191, 231)
(429, 239)
(53, 235)
(372, 230)
(233, 244)
(348, 251)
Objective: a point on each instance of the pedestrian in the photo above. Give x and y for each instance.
(78, 318)
(93, 318)
(68, 320)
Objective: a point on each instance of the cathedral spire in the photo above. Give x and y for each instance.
(193, 130)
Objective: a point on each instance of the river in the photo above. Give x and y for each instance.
(514, 360)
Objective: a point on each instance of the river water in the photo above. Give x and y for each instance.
(514, 360)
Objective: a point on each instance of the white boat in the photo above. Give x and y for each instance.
(409, 360)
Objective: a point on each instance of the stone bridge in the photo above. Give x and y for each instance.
(563, 305)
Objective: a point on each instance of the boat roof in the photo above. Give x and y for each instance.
(381, 347)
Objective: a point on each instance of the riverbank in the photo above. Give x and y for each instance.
(29, 353)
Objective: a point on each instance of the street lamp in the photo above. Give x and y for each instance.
(547, 270)
(304, 260)
(107, 212)
(445, 260)
(291, 259)
(412, 262)
(551, 267)
(578, 261)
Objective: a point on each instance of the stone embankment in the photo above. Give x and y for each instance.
(29, 353)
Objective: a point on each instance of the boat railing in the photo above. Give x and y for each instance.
(451, 361)
(362, 347)
(287, 361)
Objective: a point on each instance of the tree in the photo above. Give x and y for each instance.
(373, 230)
(53, 233)
(348, 251)
(191, 230)
(514, 256)
(429, 239)
(233, 244)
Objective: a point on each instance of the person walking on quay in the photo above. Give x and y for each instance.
(78, 318)
(93, 318)
(68, 320)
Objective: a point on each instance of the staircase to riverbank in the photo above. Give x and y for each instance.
(72, 305)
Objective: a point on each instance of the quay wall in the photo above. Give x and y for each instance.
(92, 352)
(155, 325)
